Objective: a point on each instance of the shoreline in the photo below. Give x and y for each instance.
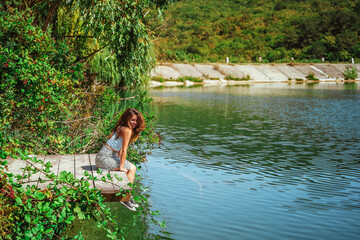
(170, 75)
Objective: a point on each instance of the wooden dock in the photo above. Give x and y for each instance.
(77, 165)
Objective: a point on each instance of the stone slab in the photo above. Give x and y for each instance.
(306, 69)
(226, 69)
(289, 71)
(330, 70)
(208, 70)
(254, 73)
(187, 70)
(272, 72)
(321, 73)
(166, 72)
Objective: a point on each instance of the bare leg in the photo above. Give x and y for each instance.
(131, 173)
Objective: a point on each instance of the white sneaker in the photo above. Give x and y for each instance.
(133, 203)
(128, 205)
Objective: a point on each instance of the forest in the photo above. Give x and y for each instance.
(244, 30)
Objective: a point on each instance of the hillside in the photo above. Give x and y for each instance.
(244, 30)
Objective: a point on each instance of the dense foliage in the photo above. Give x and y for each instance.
(50, 101)
(39, 87)
(31, 213)
(244, 30)
(57, 97)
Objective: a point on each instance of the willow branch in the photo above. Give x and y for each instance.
(79, 59)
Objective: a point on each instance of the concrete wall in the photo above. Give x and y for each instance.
(257, 72)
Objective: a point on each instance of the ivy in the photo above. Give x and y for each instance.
(38, 214)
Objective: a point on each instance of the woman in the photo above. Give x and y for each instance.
(112, 155)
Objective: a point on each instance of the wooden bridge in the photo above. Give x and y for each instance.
(77, 165)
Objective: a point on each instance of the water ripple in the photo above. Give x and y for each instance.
(248, 164)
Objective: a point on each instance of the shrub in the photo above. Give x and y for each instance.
(39, 85)
(350, 73)
(311, 76)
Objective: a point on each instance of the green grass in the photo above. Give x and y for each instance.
(231, 77)
(311, 76)
(158, 79)
(192, 79)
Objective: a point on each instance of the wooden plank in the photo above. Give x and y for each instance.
(120, 184)
(82, 164)
(77, 165)
(34, 178)
(15, 167)
(54, 161)
(106, 188)
(66, 163)
(123, 184)
(116, 183)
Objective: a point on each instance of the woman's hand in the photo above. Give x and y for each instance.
(121, 170)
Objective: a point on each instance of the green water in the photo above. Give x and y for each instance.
(264, 161)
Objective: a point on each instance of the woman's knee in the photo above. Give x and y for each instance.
(133, 167)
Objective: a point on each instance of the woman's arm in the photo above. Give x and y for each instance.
(126, 135)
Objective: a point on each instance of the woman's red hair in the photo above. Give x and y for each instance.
(124, 122)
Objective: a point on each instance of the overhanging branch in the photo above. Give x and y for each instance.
(82, 58)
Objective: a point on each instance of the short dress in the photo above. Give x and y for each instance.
(108, 159)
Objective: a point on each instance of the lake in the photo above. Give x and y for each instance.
(262, 161)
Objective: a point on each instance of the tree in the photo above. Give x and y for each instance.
(91, 26)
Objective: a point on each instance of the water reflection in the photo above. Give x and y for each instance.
(295, 147)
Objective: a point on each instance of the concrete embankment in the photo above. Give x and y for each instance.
(172, 74)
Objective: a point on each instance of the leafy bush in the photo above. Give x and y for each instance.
(311, 76)
(350, 73)
(39, 84)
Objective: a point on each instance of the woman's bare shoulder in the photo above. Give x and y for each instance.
(125, 131)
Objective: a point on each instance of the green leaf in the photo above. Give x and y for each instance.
(28, 233)
(39, 195)
(27, 218)
(77, 209)
(19, 201)
(81, 215)
(63, 212)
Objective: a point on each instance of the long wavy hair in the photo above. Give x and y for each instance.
(124, 121)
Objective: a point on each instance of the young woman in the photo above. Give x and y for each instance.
(112, 155)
